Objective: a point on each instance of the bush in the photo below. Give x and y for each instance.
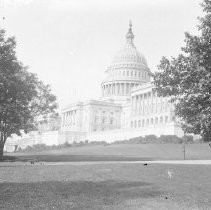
(188, 138)
(136, 140)
(151, 139)
(170, 139)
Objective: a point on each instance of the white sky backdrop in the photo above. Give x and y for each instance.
(69, 43)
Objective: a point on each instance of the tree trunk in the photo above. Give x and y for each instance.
(1, 150)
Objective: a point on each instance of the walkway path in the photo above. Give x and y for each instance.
(192, 162)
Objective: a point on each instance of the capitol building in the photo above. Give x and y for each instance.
(127, 108)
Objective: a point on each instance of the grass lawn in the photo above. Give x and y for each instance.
(105, 186)
(120, 152)
(108, 185)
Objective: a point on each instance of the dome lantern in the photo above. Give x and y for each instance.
(130, 35)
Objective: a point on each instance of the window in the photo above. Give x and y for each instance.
(131, 125)
(135, 124)
(111, 121)
(166, 119)
(161, 119)
(103, 120)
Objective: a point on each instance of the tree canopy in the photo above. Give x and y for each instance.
(186, 79)
(23, 96)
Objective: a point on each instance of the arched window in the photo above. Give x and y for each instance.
(156, 120)
(139, 123)
(166, 119)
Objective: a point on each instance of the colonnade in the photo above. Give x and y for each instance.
(148, 103)
(69, 118)
(117, 88)
(143, 122)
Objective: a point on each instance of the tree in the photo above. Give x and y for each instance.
(22, 95)
(187, 79)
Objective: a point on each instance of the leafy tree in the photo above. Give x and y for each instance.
(187, 79)
(22, 95)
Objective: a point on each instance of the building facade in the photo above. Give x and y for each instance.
(128, 106)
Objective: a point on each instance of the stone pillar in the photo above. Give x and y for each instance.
(103, 90)
(151, 109)
(139, 106)
(64, 120)
(144, 106)
(156, 103)
(127, 88)
(148, 102)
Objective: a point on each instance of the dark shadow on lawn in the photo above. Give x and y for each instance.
(78, 194)
(71, 158)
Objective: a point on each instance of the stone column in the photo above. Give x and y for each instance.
(103, 90)
(64, 119)
(151, 110)
(140, 104)
(155, 102)
(148, 102)
(139, 107)
(127, 88)
(144, 105)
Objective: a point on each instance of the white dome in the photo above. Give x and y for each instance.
(129, 54)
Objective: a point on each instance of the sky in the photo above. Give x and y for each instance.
(70, 43)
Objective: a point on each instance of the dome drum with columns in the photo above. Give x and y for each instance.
(128, 69)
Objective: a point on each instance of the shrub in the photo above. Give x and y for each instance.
(188, 138)
(151, 139)
(170, 139)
